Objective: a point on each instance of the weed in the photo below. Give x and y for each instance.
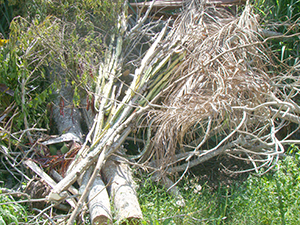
(282, 16)
(11, 213)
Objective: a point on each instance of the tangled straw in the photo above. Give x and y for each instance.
(219, 99)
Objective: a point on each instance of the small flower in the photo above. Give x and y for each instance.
(3, 42)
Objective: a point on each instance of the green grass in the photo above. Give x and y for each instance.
(270, 199)
(11, 213)
(281, 16)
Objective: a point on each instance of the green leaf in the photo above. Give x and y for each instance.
(64, 149)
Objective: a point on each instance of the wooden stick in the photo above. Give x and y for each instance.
(100, 162)
(58, 178)
(92, 157)
(35, 168)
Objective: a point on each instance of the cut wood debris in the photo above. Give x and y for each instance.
(200, 89)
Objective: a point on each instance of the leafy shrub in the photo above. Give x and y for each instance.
(282, 16)
(50, 39)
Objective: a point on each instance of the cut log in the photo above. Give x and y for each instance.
(98, 200)
(99, 205)
(89, 160)
(122, 192)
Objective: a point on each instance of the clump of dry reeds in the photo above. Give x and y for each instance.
(219, 99)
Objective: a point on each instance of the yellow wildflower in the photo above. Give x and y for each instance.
(3, 42)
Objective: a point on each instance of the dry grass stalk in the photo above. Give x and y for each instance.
(208, 86)
(223, 73)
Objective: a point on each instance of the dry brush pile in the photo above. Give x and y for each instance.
(221, 101)
(202, 88)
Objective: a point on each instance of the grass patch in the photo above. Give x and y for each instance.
(11, 213)
(270, 199)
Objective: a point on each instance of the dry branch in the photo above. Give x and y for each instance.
(58, 178)
(222, 75)
(35, 168)
(201, 89)
(112, 134)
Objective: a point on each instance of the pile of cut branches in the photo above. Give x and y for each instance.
(201, 88)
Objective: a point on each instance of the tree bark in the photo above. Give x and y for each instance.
(66, 116)
(122, 192)
(98, 200)
(99, 204)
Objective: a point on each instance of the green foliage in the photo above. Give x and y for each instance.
(28, 88)
(6, 12)
(11, 213)
(51, 41)
(271, 199)
(85, 15)
(282, 16)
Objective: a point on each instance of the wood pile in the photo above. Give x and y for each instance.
(182, 83)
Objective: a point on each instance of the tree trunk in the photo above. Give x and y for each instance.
(99, 203)
(66, 116)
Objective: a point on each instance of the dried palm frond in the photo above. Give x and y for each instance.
(219, 98)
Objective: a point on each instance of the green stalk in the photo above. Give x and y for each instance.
(161, 81)
(108, 71)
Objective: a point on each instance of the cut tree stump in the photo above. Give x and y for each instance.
(122, 192)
